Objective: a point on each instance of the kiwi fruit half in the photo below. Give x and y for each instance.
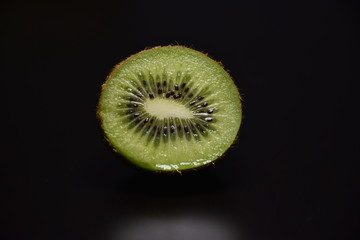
(170, 109)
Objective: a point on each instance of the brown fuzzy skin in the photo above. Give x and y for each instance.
(131, 164)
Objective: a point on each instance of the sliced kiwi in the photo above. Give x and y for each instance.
(170, 109)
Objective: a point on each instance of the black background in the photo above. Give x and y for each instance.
(291, 175)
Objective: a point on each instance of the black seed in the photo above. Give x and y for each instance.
(200, 98)
(136, 114)
(195, 133)
(186, 90)
(168, 94)
(153, 131)
(158, 133)
(151, 95)
(211, 110)
(172, 128)
(204, 104)
(131, 99)
(183, 85)
(146, 120)
(158, 84)
(208, 119)
(177, 96)
(129, 111)
(134, 105)
(164, 83)
(186, 128)
(159, 91)
(192, 103)
(176, 87)
(165, 129)
(172, 92)
(144, 83)
(179, 128)
(139, 126)
(191, 95)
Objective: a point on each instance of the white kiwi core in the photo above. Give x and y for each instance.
(166, 108)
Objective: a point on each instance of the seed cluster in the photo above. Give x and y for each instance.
(180, 89)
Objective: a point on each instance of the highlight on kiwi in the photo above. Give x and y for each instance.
(170, 109)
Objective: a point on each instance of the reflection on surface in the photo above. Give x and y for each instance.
(172, 207)
(183, 226)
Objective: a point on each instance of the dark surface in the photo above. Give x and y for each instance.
(291, 175)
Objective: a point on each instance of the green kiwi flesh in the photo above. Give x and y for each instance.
(170, 109)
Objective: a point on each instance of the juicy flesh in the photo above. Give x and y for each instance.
(175, 153)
